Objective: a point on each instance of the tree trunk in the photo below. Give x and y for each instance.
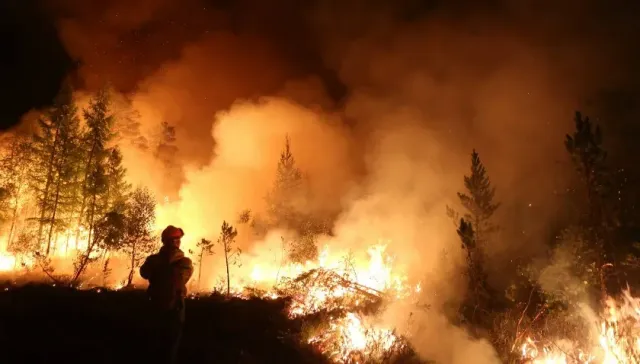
(226, 261)
(53, 216)
(91, 216)
(200, 266)
(84, 191)
(47, 185)
(133, 261)
(14, 218)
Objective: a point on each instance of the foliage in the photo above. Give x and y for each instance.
(56, 158)
(15, 168)
(473, 230)
(478, 201)
(138, 240)
(231, 253)
(285, 208)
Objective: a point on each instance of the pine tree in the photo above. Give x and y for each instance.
(284, 207)
(117, 187)
(166, 152)
(589, 159)
(478, 200)
(99, 122)
(473, 230)
(138, 238)
(231, 253)
(15, 169)
(56, 157)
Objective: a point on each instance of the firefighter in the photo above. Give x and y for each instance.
(168, 272)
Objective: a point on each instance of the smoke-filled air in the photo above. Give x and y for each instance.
(420, 183)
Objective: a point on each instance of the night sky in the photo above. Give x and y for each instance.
(34, 61)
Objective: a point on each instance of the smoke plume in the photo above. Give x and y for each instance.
(424, 86)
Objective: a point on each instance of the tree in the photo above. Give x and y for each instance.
(15, 170)
(117, 188)
(99, 122)
(206, 248)
(474, 229)
(285, 204)
(478, 200)
(584, 146)
(166, 152)
(589, 158)
(231, 253)
(138, 238)
(108, 235)
(56, 158)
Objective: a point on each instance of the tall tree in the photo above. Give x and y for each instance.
(231, 253)
(56, 156)
(166, 152)
(117, 187)
(138, 238)
(589, 158)
(99, 122)
(285, 207)
(584, 146)
(474, 229)
(478, 200)
(15, 170)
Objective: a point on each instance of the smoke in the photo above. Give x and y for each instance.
(424, 87)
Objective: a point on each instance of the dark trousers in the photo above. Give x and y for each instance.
(166, 334)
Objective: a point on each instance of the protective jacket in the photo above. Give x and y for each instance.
(168, 272)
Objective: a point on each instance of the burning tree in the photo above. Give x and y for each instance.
(231, 253)
(138, 240)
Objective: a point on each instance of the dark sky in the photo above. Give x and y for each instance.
(33, 60)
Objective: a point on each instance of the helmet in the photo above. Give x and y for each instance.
(171, 233)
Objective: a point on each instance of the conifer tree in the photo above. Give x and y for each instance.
(15, 169)
(99, 122)
(117, 187)
(473, 230)
(478, 200)
(56, 158)
(166, 152)
(589, 158)
(285, 204)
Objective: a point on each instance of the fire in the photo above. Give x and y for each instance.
(350, 340)
(618, 338)
(7, 262)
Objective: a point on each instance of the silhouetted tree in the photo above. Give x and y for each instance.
(478, 200)
(56, 159)
(474, 229)
(15, 168)
(206, 248)
(285, 205)
(231, 253)
(138, 238)
(94, 182)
